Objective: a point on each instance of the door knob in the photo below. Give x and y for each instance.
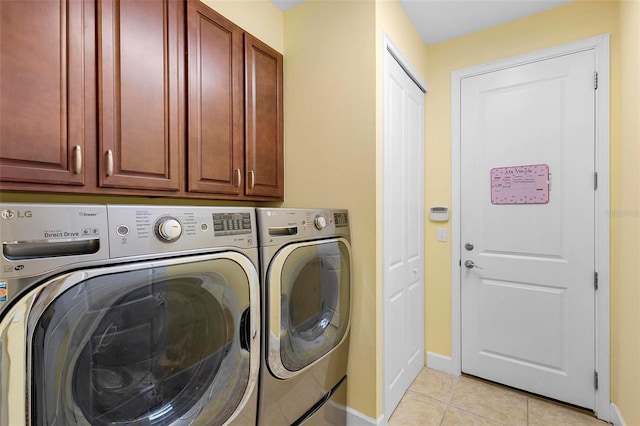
(469, 264)
(468, 246)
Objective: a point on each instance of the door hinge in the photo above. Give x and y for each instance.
(595, 180)
(595, 81)
(460, 262)
(595, 379)
(595, 280)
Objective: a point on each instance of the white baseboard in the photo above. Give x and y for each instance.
(441, 363)
(616, 416)
(356, 418)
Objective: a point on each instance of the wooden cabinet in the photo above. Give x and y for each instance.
(215, 116)
(235, 141)
(140, 88)
(264, 157)
(42, 92)
(110, 97)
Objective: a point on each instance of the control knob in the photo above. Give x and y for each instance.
(320, 222)
(168, 229)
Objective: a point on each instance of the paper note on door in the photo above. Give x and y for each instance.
(520, 184)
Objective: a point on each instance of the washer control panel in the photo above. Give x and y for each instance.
(141, 230)
(37, 239)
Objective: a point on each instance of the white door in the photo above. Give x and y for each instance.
(528, 307)
(403, 215)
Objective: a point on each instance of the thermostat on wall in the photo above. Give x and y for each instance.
(439, 213)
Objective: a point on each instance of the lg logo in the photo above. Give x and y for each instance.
(10, 214)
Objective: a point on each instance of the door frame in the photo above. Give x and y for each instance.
(395, 54)
(600, 45)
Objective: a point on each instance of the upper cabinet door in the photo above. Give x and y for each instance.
(42, 104)
(263, 120)
(215, 113)
(141, 97)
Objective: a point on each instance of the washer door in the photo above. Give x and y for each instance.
(309, 293)
(161, 343)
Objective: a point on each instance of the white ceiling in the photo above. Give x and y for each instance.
(440, 20)
(285, 4)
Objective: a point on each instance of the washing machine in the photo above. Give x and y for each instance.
(136, 315)
(305, 268)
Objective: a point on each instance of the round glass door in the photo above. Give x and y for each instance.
(310, 292)
(159, 345)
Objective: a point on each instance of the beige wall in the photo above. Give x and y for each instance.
(330, 87)
(625, 309)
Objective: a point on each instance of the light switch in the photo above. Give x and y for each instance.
(442, 234)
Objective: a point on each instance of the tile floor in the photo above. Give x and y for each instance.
(436, 398)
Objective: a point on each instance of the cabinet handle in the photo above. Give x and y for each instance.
(77, 159)
(252, 181)
(109, 163)
(238, 178)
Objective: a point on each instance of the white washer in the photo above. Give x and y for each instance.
(305, 268)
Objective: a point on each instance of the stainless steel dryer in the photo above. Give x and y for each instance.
(305, 268)
(136, 315)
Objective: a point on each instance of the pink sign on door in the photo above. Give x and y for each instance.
(520, 184)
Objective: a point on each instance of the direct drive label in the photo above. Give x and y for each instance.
(58, 233)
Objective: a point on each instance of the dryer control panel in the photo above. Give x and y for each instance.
(276, 225)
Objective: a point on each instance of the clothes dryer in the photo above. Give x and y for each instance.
(305, 267)
(136, 315)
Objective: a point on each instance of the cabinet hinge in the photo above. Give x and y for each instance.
(595, 280)
(595, 81)
(595, 180)
(595, 379)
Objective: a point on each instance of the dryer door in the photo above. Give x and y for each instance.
(152, 343)
(309, 293)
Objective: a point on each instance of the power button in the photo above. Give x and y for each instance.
(122, 230)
